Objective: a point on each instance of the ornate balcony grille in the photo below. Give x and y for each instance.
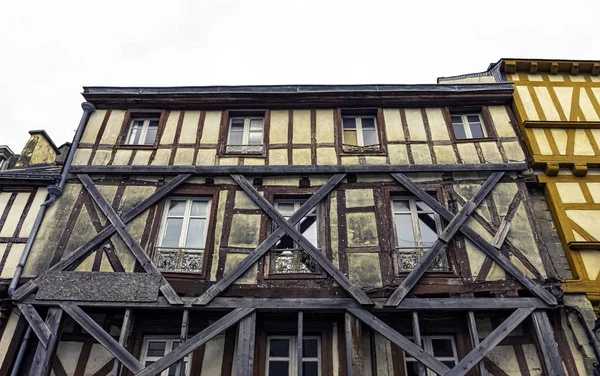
(180, 260)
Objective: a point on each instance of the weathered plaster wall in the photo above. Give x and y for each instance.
(37, 151)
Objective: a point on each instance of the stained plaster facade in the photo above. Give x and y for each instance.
(355, 226)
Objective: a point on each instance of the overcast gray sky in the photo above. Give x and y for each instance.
(50, 49)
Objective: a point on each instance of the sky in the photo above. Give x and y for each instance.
(49, 50)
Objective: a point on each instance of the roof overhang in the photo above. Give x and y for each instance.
(552, 66)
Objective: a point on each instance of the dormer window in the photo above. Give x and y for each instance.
(359, 133)
(143, 129)
(468, 126)
(246, 135)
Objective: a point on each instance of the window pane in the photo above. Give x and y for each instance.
(256, 125)
(404, 230)
(176, 208)
(449, 363)
(459, 131)
(173, 369)
(285, 243)
(279, 347)
(428, 229)
(156, 348)
(423, 207)
(473, 118)
(286, 209)
(412, 369)
(255, 138)
(308, 227)
(477, 130)
(236, 137)
(442, 347)
(278, 368)
(350, 137)
(150, 135)
(349, 123)
(368, 123)
(401, 206)
(369, 137)
(310, 348)
(456, 119)
(199, 208)
(172, 232)
(195, 235)
(134, 134)
(237, 124)
(310, 369)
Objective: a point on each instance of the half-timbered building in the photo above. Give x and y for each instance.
(295, 230)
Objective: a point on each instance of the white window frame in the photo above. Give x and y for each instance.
(292, 357)
(186, 220)
(297, 204)
(3, 161)
(170, 340)
(467, 125)
(359, 131)
(246, 132)
(144, 130)
(428, 347)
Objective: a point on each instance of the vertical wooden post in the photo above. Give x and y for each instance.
(300, 341)
(354, 350)
(42, 360)
(180, 369)
(547, 344)
(418, 340)
(475, 339)
(348, 338)
(122, 339)
(245, 346)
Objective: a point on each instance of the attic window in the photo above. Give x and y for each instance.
(143, 129)
(360, 133)
(467, 126)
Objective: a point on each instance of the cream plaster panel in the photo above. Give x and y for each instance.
(142, 157)
(556, 78)
(514, 152)
(206, 157)
(68, 353)
(349, 160)
(582, 144)
(113, 127)
(4, 197)
(596, 134)
(535, 77)
(243, 201)
(594, 189)
(301, 127)
(184, 157)
(283, 180)
(254, 161)
(279, 127)
(570, 193)
(393, 124)
(496, 273)
(82, 156)
(168, 135)
(102, 157)
(503, 194)
(213, 356)
(335, 350)
(578, 237)
(521, 236)
(93, 126)
(279, 157)
(210, 131)
(437, 124)
(14, 215)
(232, 260)
(546, 103)
(133, 195)
(7, 336)
(333, 225)
(375, 160)
(505, 358)
(301, 157)
(87, 264)
(324, 126)
(245, 230)
(99, 357)
(364, 269)
(161, 158)
(527, 102)
(228, 161)
(565, 96)
(105, 265)
(385, 361)
(326, 156)
(542, 141)
(218, 233)
(521, 266)
(491, 152)
(189, 128)
(122, 157)
(596, 92)
(467, 153)
(421, 153)
(576, 78)
(587, 219)
(560, 138)
(416, 127)
(398, 154)
(358, 198)
(591, 260)
(586, 107)
(40, 197)
(362, 229)
(501, 121)
(475, 256)
(374, 178)
(367, 356)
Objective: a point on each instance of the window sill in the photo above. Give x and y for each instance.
(138, 147)
(241, 155)
(468, 140)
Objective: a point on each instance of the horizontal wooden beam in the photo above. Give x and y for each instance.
(562, 124)
(295, 170)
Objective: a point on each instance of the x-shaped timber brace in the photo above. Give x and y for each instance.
(118, 225)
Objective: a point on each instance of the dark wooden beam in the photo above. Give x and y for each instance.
(445, 237)
(547, 344)
(268, 243)
(245, 346)
(418, 341)
(36, 322)
(404, 343)
(300, 342)
(494, 338)
(125, 327)
(42, 360)
(479, 241)
(102, 337)
(101, 238)
(138, 252)
(183, 335)
(318, 256)
(474, 334)
(196, 341)
(294, 170)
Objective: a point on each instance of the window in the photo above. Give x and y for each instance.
(360, 133)
(442, 348)
(155, 348)
(282, 356)
(182, 239)
(416, 228)
(468, 126)
(142, 129)
(245, 135)
(287, 256)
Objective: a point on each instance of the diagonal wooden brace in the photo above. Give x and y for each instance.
(128, 239)
(36, 322)
(413, 277)
(100, 238)
(494, 338)
(268, 243)
(337, 275)
(535, 288)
